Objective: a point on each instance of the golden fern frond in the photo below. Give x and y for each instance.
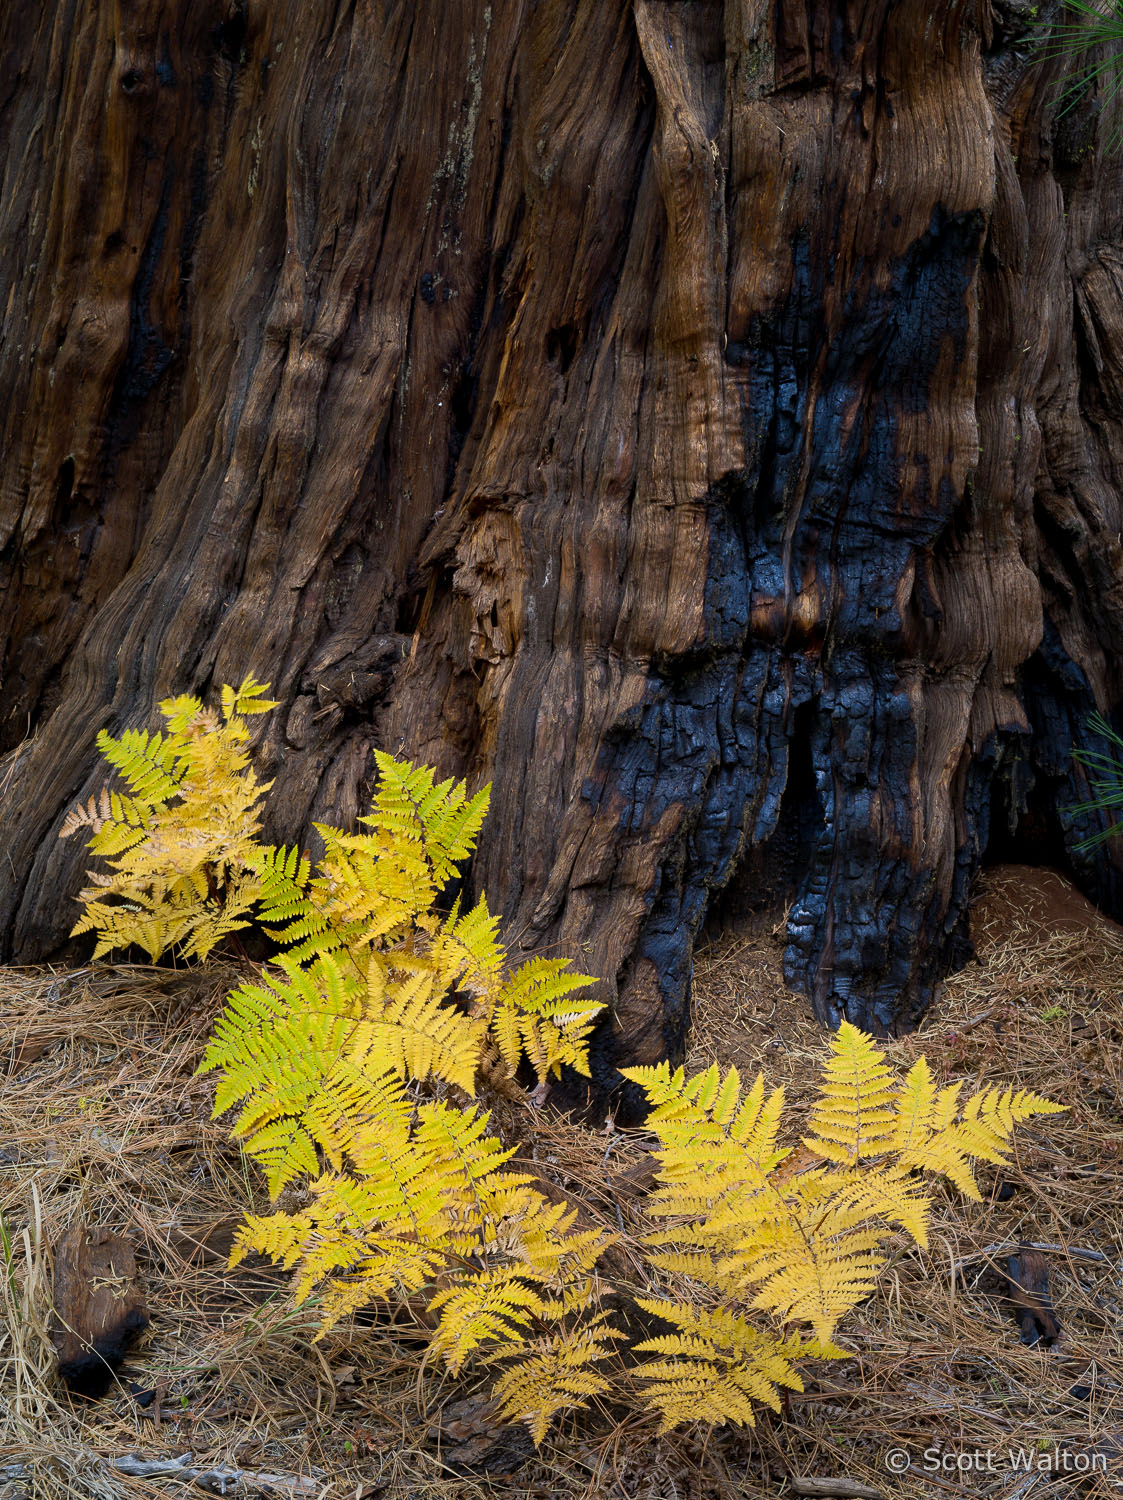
(186, 718)
(464, 1160)
(494, 1306)
(393, 1268)
(556, 1373)
(382, 1220)
(341, 1239)
(152, 924)
(542, 1238)
(718, 1366)
(756, 1124)
(351, 1106)
(392, 1190)
(803, 1250)
(916, 1105)
(543, 987)
(890, 1194)
(362, 896)
(703, 1193)
(283, 1148)
(535, 1013)
(817, 1262)
(412, 1028)
(410, 807)
(247, 699)
(217, 920)
(717, 1150)
(855, 1115)
(466, 951)
(181, 846)
(986, 1123)
(708, 1109)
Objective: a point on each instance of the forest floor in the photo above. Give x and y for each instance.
(102, 1121)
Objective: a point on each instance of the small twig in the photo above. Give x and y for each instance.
(1001, 1245)
(1023, 1486)
(216, 1481)
(842, 1489)
(979, 1019)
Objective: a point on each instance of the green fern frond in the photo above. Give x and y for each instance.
(152, 765)
(279, 1046)
(410, 807)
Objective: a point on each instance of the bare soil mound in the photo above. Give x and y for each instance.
(1022, 901)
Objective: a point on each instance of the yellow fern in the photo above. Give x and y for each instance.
(555, 1373)
(411, 808)
(495, 1305)
(180, 846)
(718, 1365)
(360, 1240)
(856, 1112)
(534, 1014)
(797, 1236)
(327, 1054)
(984, 1127)
(348, 1061)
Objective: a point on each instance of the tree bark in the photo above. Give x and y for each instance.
(703, 419)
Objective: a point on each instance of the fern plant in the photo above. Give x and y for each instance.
(353, 1063)
(335, 1054)
(181, 841)
(1105, 781)
(795, 1234)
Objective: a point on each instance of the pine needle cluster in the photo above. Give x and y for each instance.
(353, 1061)
(1091, 34)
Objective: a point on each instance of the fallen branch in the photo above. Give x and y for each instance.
(218, 1481)
(213, 1480)
(1003, 1245)
(840, 1489)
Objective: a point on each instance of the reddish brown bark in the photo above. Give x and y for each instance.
(98, 1306)
(702, 419)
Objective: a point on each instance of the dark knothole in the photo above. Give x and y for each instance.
(561, 346)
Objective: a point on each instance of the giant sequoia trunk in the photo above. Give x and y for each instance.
(704, 419)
